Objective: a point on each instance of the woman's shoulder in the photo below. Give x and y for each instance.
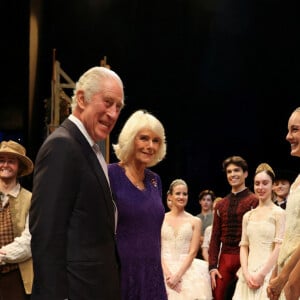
(113, 165)
(208, 229)
(151, 173)
(114, 169)
(277, 210)
(248, 213)
(193, 219)
(153, 177)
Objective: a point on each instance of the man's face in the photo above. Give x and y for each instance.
(99, 115)
(9, 166)
(281, 187)
(235, 175)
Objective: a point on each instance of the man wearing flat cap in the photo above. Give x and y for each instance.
(16, 272)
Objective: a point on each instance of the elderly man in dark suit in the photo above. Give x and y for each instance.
(73, 217)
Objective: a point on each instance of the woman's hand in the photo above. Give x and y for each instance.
(174, 283)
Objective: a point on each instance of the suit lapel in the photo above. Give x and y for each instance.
(92, 160)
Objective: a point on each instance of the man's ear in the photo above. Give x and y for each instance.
(80, 98)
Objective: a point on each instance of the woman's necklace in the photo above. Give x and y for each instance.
(136, 180)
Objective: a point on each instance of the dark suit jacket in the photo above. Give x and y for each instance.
(72, 222)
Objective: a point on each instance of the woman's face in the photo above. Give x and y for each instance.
(263, 186)
(146, 145)
(179, 195)
(293, 135)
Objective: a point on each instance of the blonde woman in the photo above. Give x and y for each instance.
(186, 277)
(138, 194)
(284, 283)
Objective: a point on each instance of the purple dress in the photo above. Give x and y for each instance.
(140, 217)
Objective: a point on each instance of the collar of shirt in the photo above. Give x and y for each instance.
(82, 129)
(94, 145)
(14, 192)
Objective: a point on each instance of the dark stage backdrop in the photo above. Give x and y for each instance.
(221, 75)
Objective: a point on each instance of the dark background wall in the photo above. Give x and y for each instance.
(222, 75)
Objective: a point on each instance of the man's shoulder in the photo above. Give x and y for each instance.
(223, 203)
(248, 195)
(25, 192)
(251, 196)
(249, 200)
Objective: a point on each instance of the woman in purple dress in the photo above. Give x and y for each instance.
(138, 194)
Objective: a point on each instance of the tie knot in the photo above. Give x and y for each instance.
(96, 148)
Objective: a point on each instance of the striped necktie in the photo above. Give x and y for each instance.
(103, 164)
(101, 160)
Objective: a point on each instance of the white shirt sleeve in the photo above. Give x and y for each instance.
(19, 250)
(207, 236)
